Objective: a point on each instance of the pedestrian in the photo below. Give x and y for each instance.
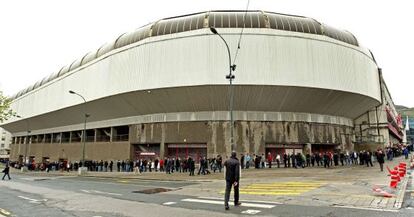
(326, 160)
(111, 164)
(156, 161)
(248, 159)
(278, 161)
(232, 176)
(380, 159)
(6, 172)
(405, 152)
(191, 165)
(369, 158)
(219, 162)
(162, 165)
(242, 161)
(269, 160)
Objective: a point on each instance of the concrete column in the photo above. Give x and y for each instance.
(95, 137)
(162, 143)
(111, 134)
(308, 148)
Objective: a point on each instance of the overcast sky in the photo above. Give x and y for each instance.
(39, 37)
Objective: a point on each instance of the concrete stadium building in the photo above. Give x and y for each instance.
(161, 91)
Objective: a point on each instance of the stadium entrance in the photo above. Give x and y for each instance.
(195, 151)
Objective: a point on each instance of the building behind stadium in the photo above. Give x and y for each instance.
(161, 91)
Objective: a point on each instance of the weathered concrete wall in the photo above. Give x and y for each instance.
(73, 151)
(249, 136)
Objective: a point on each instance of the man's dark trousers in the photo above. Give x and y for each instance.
(227, 194)
(8, 175)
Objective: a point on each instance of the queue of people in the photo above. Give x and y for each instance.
(205, 166)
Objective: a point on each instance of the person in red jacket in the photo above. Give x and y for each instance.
(269, 159)
(161, 165)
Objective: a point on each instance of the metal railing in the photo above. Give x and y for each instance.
(121, 137)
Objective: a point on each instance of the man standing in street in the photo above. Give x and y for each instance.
(232, 176)
(380, 159)
(6, 172)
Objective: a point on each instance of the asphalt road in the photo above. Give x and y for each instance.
(82, 196)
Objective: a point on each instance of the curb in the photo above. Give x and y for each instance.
(401, 193)
(146, 179)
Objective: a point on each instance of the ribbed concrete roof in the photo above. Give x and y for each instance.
(217, 19)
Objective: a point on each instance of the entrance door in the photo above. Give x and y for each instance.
(146, 151)
(195, 151)
(321, 148)
(281, 149)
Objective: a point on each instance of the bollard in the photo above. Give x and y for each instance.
(401, 173)
(396, 177)
(393, 183)
(392, 172)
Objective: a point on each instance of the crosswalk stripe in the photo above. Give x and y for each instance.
(270, 185)
(250, 201)
(270, 193)
(280, 188)
(266, 206)
(5, 212)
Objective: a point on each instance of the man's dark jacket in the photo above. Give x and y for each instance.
(232, 170)
(6, 170)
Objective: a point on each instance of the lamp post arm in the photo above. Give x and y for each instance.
(228, 51)
(81, 97)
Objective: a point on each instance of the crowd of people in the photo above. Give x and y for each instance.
(205, 165)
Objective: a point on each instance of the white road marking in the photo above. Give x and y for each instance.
(5, 212)
(169, 203)
(252, 201)
(100, 192)
(251, 211)
(2, 215)
(31, 200)
(266, 206)
(109, 193)
(366, 208)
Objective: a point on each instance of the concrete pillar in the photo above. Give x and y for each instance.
(162, 143)
(111, 135)
(308, 148)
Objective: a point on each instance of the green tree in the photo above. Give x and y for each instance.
(5, 110)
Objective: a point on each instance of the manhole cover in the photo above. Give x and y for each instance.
(40, 179)
(152, 191)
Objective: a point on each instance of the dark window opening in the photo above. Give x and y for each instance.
(76, 136)
(56, 138)
(90, 135)
(48, 138)
(103, 134)
(65, 137)
(120, 133)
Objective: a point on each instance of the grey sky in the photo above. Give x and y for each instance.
(39, 37)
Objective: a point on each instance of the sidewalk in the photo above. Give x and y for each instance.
(338, 186)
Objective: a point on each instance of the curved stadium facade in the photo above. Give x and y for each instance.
(161, 91)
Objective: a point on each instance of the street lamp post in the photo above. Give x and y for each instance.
(83, 169)
(26, 161)
(230, 77)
